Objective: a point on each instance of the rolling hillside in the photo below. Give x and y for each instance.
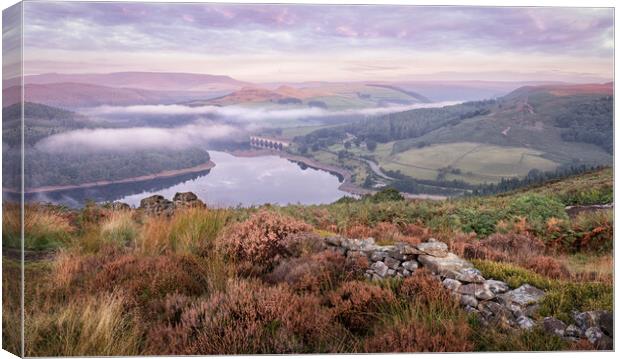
(534, 127)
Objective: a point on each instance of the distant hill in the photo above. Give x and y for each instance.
(74, 95)
(161, 81)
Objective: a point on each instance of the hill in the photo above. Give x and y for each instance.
(534, 127)
(75, 95)
(169, 81)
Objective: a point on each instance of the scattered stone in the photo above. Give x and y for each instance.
(444, 265)
(525, 323)
(410, 265)
(435, 249)
(379, 268)
(496, 286)
(470, 275)
(606, 322)
(391, 262)
(554, 326)
(452, 284)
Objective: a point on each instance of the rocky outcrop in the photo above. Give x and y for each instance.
(493, 301)
(158, 205)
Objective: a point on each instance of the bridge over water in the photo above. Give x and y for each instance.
(268, 143)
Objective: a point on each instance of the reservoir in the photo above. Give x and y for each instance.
(234, 181)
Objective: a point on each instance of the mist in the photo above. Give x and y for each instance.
(197, 134)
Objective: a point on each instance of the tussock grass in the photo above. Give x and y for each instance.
(83, 327)
(44, 227)
(119, 228)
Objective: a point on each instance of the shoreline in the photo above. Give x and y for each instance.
(345, 186)
(163, 174)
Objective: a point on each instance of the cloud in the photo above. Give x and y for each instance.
(136, 138)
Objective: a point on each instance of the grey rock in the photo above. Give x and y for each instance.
(554, 326)
(469, 300)
(525, 323)
(391, 272)
(407, 250)
(480, 291)
(377, 256)
(524, 295)
(435, 249)
(379, 268)
(497, 286)
(596, 318)
(410, 265)
(594, 335)
(573, 331)
(470, 275)
(406, 273)
(391, 262)
(452, 284)
(444, 265)
(119, 206)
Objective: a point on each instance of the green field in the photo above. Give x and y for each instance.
(477, 162)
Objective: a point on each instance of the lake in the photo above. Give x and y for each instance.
(244, 181)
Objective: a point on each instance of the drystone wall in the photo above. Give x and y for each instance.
(493, 301)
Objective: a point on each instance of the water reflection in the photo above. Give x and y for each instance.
(233, 181)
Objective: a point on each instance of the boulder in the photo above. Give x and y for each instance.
(554, 326)
(187, 200)
(334, 241)
(524, 295)
(451, 263)
(157, 205)
(435, 249)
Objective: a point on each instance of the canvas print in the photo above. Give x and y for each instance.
(212, 179)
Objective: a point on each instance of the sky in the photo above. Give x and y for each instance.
(297, 43)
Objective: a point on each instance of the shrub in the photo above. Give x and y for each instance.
(248, 319)
(317, 272)
(147, 278)
(537, 208)
(427, 318)
(594, 231)
(478, 221)
(258, 243)
(355, 304)
(90, 326)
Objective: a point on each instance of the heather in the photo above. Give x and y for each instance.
(109, 281)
